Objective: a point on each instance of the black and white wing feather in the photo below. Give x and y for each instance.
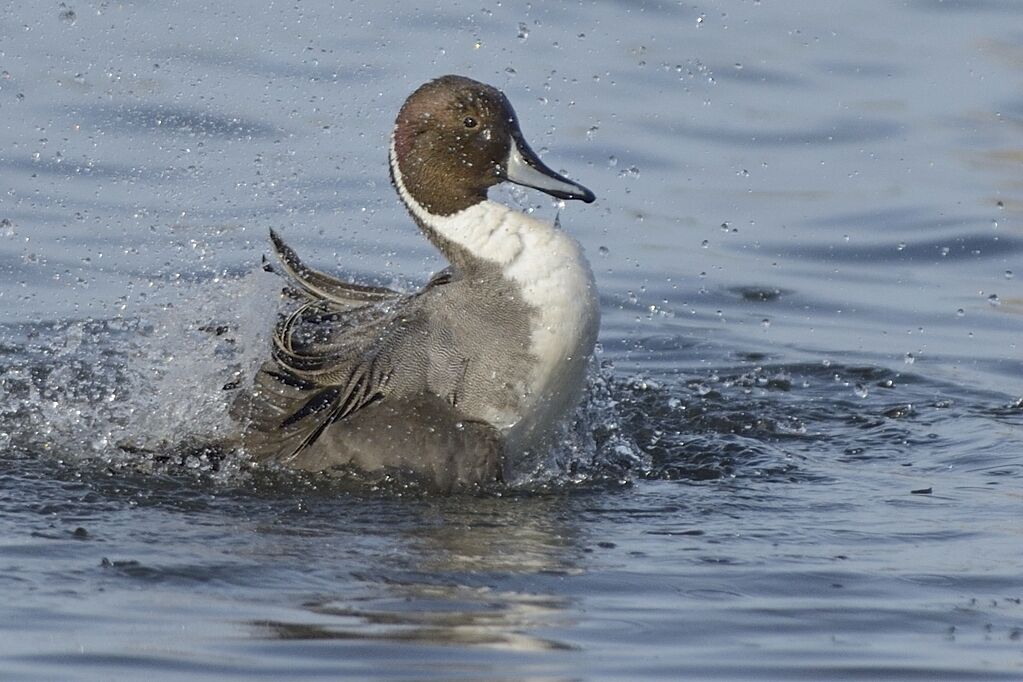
(329, 359)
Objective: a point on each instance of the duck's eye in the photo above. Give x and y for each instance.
(469, 122)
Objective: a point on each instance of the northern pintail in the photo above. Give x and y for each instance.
(451, 384)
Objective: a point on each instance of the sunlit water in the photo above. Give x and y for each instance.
(801, 452)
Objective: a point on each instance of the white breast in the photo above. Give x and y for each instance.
(555, 279)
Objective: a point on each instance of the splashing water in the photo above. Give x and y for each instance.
(592, 447)
(139, 383)
(148, 390)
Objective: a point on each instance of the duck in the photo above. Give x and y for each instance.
(457, 384)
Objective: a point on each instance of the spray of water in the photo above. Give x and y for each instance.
(150, 388)
(128, 389)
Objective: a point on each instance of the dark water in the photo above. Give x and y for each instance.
(802, 458)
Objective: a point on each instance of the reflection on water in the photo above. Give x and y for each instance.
(487, 537)
(452, 540)
(433, 614)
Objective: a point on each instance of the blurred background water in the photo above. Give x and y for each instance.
(807, 239)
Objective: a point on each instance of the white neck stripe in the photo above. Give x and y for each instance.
(549, 270)
(414, 206)
(488, 230)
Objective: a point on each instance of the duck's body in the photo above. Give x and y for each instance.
(454, 382)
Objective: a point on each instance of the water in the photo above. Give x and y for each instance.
(807, 225)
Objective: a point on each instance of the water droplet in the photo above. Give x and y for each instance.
(861, 391)
(944, 251)
(700, 19)
(612, 161)
(765, 323)
(632, 298)
(603, 250)
(591, 132)
(909, 358)
(630, 172)
(960, 312)
(901, 246)
(993, 300)
(523, 32)
(1008, 274)
(705, 243)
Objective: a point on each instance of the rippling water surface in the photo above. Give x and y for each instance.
(801, 455)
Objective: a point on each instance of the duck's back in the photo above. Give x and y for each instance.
(417, 436)
(424, 384)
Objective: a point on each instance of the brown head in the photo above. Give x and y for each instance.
(455, 138)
